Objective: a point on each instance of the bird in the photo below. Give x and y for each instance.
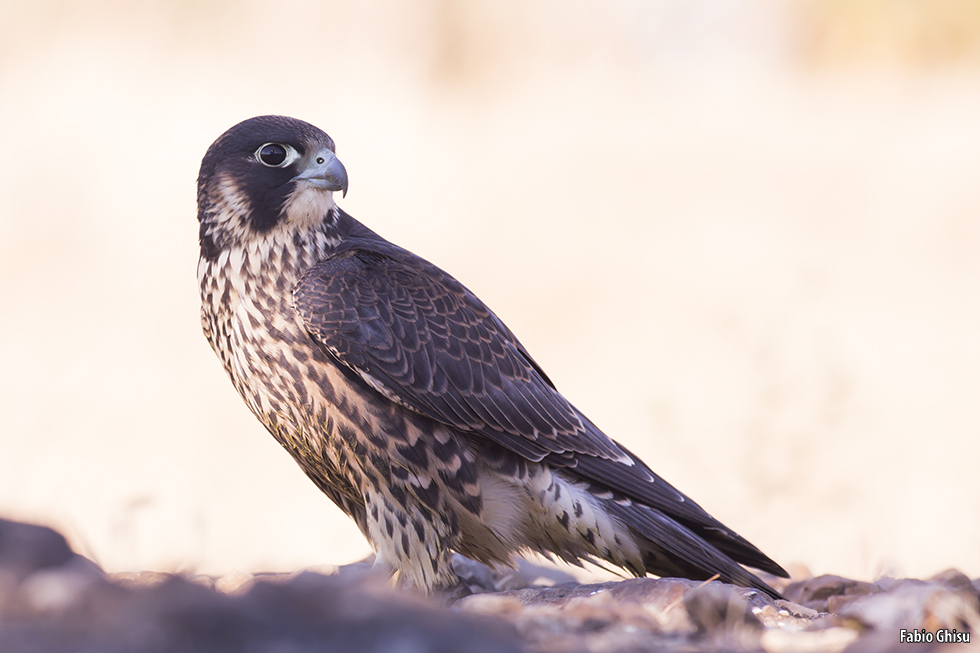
(406, 400)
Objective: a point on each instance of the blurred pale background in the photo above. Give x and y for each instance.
(743, 237)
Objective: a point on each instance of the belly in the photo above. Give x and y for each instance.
(302, 398)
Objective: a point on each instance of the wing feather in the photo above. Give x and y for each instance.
(428, 343)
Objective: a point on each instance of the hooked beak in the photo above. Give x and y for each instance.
(325, 171)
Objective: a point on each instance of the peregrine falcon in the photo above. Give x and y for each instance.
(405, 399)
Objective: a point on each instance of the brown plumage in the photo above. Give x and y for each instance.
(404, 398)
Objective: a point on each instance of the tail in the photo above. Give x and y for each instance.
(669, 548)
(672, 534)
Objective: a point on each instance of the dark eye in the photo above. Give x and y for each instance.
(272, 154)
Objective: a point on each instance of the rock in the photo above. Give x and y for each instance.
(634, 614)
(715, 607)
(914, 604)
(233, 582)
(26, 548)
(134, 579)
(827, 593)
(39, 573)
(54, 601)
(589, 618)
(831, 640)
(956, 581)
(309, 612)
(54, 590)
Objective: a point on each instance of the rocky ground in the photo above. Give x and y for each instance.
(53, 600)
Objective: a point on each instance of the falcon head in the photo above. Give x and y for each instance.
(266, 177)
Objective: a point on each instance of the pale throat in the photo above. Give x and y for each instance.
(307, 206)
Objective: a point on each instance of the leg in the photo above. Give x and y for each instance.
(413, 542)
